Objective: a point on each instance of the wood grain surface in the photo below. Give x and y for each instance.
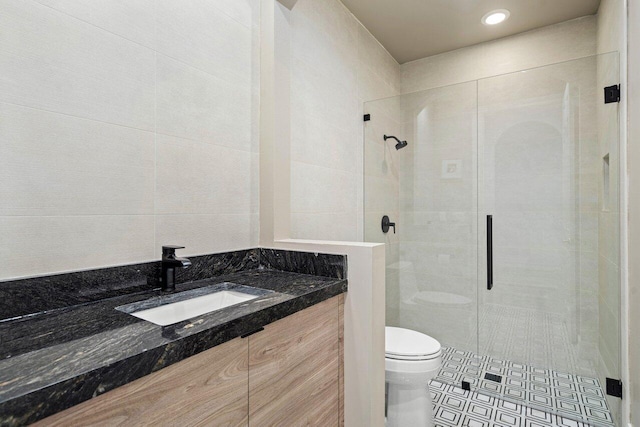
(293, 369)
(208, 389)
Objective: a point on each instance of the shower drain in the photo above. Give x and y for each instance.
(493, 377)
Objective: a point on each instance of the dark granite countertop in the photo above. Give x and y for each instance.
(70, 352)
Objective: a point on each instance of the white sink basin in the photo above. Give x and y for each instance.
(169, 314)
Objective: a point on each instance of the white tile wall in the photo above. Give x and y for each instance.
(56, 164)
(33, 245)
(336, 66)
(194, 104)
(55, 62)
(544, 46)
(127, 18)
(126, 125)
(184, 183)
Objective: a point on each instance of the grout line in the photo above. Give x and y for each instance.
(206, 142)
(247, 214)
(152, 131)
(91, 24)
(220, 11)
(75, 116)
(250, 90)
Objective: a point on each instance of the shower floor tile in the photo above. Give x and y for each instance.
(542, 396)
(453, 406)
(536, 338)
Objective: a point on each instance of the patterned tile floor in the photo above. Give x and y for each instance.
(571, 397)
(537, 338)
(454, 406)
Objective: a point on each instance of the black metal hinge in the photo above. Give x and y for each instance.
(614, 387)
(612, 94)
(367, 117)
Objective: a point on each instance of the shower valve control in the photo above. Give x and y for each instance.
(386, 223)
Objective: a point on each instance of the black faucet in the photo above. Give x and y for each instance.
(169, 264)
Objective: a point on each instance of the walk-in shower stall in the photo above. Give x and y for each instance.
(506, 240)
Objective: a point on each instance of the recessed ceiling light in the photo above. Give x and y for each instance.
(495, 17)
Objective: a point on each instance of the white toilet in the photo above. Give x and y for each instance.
(412, 359)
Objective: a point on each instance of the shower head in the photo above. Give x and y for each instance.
(400, 144)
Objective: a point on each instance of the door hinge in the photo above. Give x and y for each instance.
(367, 117)
(612, 94)
(614, 387)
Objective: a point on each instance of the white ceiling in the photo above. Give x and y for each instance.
(414, 29)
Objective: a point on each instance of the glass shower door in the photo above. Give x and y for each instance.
(535, 155)
(548, 236)
(428, 188)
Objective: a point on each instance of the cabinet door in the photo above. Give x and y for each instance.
(293, 369)
(207, 389)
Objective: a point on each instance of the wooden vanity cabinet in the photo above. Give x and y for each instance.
(293, 369)
(289, 374)
(208, 389)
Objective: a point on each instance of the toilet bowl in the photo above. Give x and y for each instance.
(412, 359)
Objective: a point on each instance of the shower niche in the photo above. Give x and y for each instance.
(537, 150)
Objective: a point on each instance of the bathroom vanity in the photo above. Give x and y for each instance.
(273, 360)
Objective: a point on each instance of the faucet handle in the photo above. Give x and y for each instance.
(170, 249)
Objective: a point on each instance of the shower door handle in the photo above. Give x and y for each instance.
(489, 252)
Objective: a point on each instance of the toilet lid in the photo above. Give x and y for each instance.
(403, 343)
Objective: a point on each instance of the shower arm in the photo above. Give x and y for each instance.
(393, 137)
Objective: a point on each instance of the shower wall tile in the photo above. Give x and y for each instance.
(609, 338)
(336, 66)
(371, 86)
(330, 226)
(544, 46)
(54, 62)
(548, 45)
(378, 191)
(445, 260)
(373, 55)
(126, 125)
(608, 292)
(447, 68)
(73, 166)
(439, 228)
(381, 160)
